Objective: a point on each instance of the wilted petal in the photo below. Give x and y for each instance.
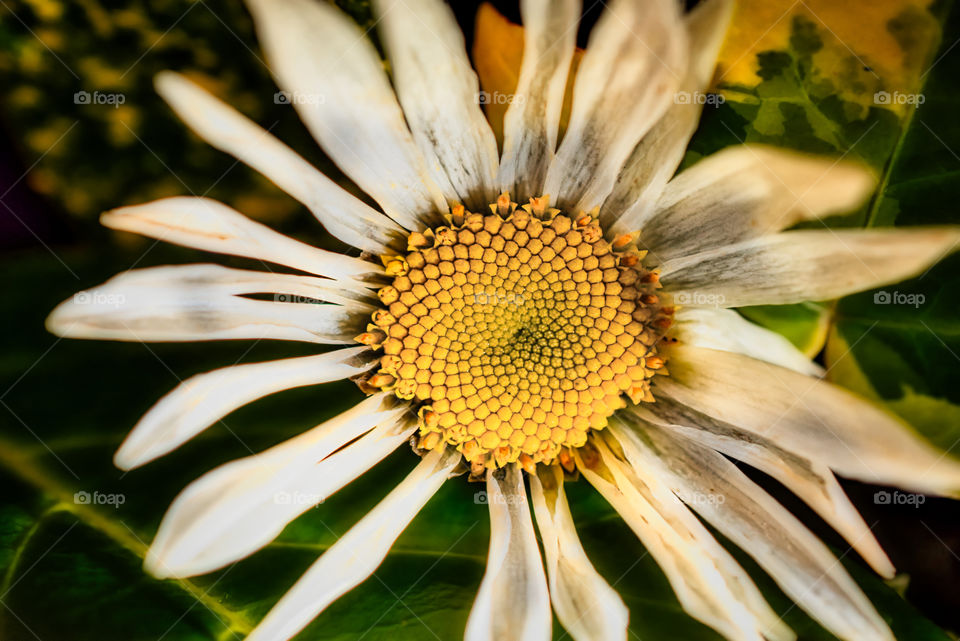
(709, 583)
(241, 506)
(809, 417)
(209, 225)
(202, 400)
(531, 121)
(797, 266)
(204, 302)
(635, 59)
(659, 153)
(809, 479)
(513, 603)
(749, 191)
(728, 331)
(342, 214)
(723, 495)
(357, 553)
(586, 605)
(439, 92)
(335, 79)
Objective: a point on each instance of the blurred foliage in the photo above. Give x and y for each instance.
(58, 59)
(807, 82)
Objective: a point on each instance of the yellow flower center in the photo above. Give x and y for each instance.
(517, 332)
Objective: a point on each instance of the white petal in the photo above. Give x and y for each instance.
(586, 605)
(809, 417)
(241, 506)
(357, 553)
(343, 215)
(709, 583)
(335, 79)
(809, 479)
(202, 400)
(206, 224)
(796, 559)
(660, 152)
(439, 92)
(203, 302)
(728, 331)
(749, 191)
(513, 602)
(635, 59)
(532, 119)
(797, 266)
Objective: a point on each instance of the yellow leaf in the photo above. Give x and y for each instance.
(890, 42)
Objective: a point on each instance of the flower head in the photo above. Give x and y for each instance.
(539, 312)
(517, 332)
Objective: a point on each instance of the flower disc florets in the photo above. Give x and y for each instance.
(517, 331)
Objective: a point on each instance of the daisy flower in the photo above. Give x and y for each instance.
(526, 315)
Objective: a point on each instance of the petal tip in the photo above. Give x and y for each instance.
(166, 79)
(154, 566)
(128, 458)
(62, 318)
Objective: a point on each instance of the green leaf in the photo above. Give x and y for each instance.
(804, 324)
(901, 344)
(72, 569)
(68, 407)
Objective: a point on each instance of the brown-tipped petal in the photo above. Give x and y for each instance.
(634, 61)
(709, 583)
(531, 122)
(202, 400)
(809, 479)
(341, 213)
(347, 103)
(806, 265)
(209, 225)
(439, 91)
(726, 330)
(749, 191)
(723, 495)
(513, 603)
(654, 161)
(206, 302)
(239, 507)
(815, 419)
(588, 608)
(356, 555)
